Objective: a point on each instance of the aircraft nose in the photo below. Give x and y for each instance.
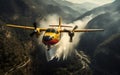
(47, 38)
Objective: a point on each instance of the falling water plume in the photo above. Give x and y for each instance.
(64, 48)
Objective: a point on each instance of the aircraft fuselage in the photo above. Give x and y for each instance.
(51, 37)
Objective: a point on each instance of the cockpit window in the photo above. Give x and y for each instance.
(48, 30)
(51, 30)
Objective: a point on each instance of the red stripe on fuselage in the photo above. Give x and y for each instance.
(51, 42)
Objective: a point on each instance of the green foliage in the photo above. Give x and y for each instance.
(62, 71)
(12, 51)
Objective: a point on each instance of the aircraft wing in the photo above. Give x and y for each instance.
(24, 27)
(88, 30)
(83, 30)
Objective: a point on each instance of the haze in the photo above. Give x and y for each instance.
(99, 2)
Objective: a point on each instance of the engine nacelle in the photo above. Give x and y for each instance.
(71, 34)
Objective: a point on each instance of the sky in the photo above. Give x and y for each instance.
(100, 2)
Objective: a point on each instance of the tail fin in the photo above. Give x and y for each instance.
(60, 24)
(60, 21)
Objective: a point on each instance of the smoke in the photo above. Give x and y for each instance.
(64, 48)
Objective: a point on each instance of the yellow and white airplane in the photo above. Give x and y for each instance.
(53, 35)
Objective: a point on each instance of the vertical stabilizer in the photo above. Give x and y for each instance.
(60, 21)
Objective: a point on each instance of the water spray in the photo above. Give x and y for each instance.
(64, 48)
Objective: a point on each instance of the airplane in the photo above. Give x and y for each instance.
(53, 35)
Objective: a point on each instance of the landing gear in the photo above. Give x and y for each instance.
(48, 47)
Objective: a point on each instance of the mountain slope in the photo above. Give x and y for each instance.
(109, 21)
(103, 47)
(82, 8)
(107, 56)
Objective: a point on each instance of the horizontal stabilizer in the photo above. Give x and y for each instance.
(60, 26)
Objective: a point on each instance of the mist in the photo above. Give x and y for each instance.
(64, 48)
(99, 2)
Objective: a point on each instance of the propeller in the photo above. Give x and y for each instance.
(71, 33)
(35, 25)
(35, 31)
(75, 28)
